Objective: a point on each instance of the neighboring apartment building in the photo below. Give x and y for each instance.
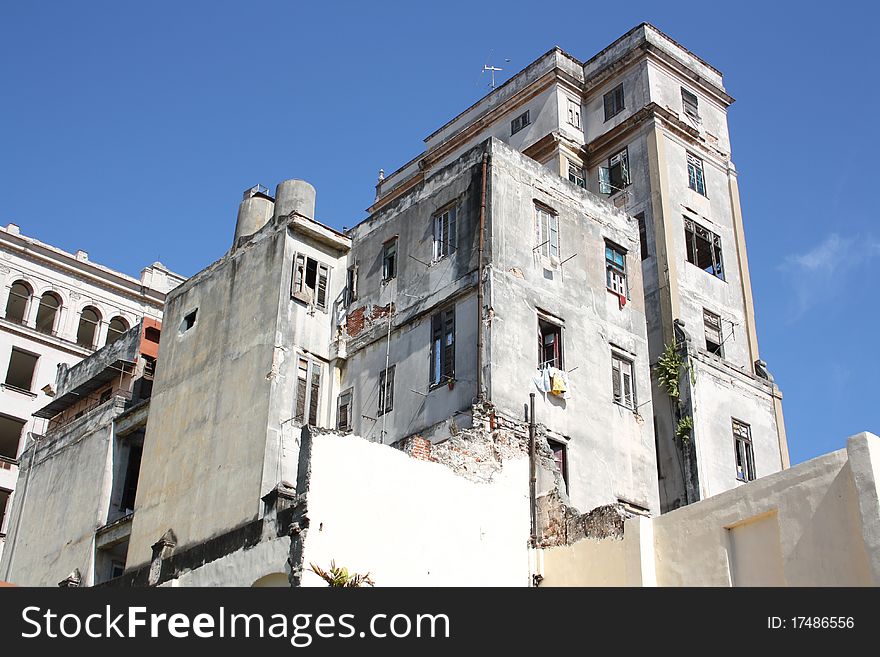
(57, 308)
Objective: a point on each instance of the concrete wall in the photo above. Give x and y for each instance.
(816, 524)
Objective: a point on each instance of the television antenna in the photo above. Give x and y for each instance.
(487, 67)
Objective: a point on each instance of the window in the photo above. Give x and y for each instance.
(149, 366)
(10, 436)
(47, 312)
(546, 231)
(310, 281)
(703, 248)
(351, 285)
(745, 456)
(519, 122)
(712, 328)
(87, 332)
(560, 458)
(695, 174)
(152, 334)
(21, 369)
(549, 344)
(105, 396)
(189, 320)
(389, 260)
(308, 392)
(689, 103)
(343, 411)
(445, 232)
(615, 269)
(386, 390)
(4, 501)
(622, 381)
(117, 327)
(643, 235)
(576, 175)
(614, 102)
(17, 304)
(130, 483)
(574, 113)
(615, 176)
(443, 347)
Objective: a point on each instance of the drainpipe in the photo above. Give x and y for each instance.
(533, 479)
(480, 282)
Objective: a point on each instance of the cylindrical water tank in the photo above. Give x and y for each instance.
(253, 213)
(295, 196)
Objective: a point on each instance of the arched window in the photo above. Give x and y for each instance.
(47, 312)
(117, 327)
(87, 332)
(17, 305)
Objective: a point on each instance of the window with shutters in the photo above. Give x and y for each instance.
(560, 458)
(643, 236)
(351, 285)
(389, 260)
(615, 269)
(622, 383)
(310, 281)
(308, 392)
(445, 232)
(386, 390)
(614, 102)
(443, 347)
(343, 411)
(576, 175)
(549, 344)
(519, 122)
(546, 231)
(574, 113)
(712, 329)
(745, 455)
(690, 103)
(615, 176)
(703, 248)
(695, 174)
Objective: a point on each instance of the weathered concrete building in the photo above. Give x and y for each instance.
(58, 307)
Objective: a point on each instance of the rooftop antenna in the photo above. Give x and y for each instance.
(491, 69)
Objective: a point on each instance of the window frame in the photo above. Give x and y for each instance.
(574, 113)
(300, 289)
(445, 242)
(618, 360)
(55, 313)
(344, 400)
(745, 457)
(644, 252)
(36, 362)
(576, 175)
(25, 300)
(610, 101)
(694, 230)
(558, 328)
(563, 462)
(22, 424)
(386, 390)
(696, 173)
(442, 368)
(708, 316)
(311, 398)
(390, 250)
(606, 185)
(616, 272)
(520, 122)
(690, 103)
(545, 235)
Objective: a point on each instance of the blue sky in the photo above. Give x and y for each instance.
(130, 130)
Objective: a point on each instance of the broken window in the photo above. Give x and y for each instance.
(689, 103)
(47, 313)
(343, 410)
(445, 232)
(10, 436)
(386, 390)
(389, 260)
(310, 281)
(614, 102)
(17, 304)
(560, 458)
(519, 122)
(574, 113)
(712, 328)
(615, 269)
(745, 456)
(4, 501)
(622, 383)
(695, 174)
(21, 369)
(615, 176)
(703, 248)
(549, 344)
(576, 175)
(546, 231)
(443, 346)
(308, 392)
(115, 329)
(351, 284)
(87, 332)
(189, 320)
(643, 235)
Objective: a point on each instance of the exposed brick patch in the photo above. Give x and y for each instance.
(381, 311)
(417, 447)
(354, 321)
(560, 524)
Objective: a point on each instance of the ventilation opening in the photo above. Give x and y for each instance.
(189, 320)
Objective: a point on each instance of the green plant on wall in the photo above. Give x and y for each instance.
(683, 428)
(669, 369)
(340, 577)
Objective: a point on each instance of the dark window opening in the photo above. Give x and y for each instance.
(16, 305)
(614, 102)
(130, 483)
(115, 329)
(519, 122)
(189, 320)
(389, 260)
(4, 501)
(703, 248)
(351, 285)
(87, 331)
(110, 561)
(105, 396)
(745, 456)
(560, 458)
(149, 366)
(343, 411)
(21, 369)
(549, 344)
(643, 235)
(690, 103)
(386, 390)
(712, 328)
(615, 176)
(10, 436)
(47, 312)
(310, 281)
(443, 347)
(152, 334)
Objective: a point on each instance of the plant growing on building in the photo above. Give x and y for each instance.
(669, 368)
(683, 428)
(340, 577)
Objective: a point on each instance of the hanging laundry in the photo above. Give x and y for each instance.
(557, 384)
